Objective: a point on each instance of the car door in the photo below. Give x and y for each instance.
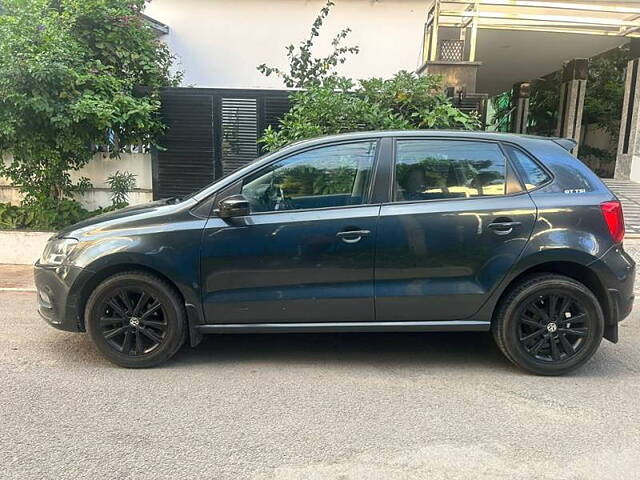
(457, 221)
(305, 254)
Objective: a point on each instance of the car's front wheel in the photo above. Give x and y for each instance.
(136, 320)
(549, 324)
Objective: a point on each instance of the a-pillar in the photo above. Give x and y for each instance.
(574, 84)
(628, 157)
(520, 107)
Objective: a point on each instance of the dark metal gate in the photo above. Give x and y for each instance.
(210, 133)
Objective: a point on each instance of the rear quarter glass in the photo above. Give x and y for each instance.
(569, 213)
(571, 176)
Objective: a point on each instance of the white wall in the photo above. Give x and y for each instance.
(22, 247)
(221, 42)
(98, 170)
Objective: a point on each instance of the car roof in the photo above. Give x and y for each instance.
(567, 144)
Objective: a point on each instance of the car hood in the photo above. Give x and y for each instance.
(111, 219)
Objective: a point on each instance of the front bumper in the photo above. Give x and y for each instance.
(58, 295)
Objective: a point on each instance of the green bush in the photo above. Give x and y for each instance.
(602, 105)
(121, 184)
(406, 101)
(331, 104)
(47, 215)
(75, 76)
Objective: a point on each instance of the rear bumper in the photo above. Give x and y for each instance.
(617, 271)
(58, 295)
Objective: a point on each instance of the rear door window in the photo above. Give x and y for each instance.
(445, 169)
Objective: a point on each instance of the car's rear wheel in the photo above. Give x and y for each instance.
(549, 324)
(136, 320)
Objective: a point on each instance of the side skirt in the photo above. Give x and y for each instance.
(445, 326)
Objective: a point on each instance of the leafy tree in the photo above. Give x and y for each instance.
(543, 106)
(71, 78)
(403, 102)
(605, 90)
(544, 103)
(306, 70)
(332, 104)
(603, 97)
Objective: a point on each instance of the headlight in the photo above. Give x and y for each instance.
(57, 251)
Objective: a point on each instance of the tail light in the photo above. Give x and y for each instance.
(612, 213)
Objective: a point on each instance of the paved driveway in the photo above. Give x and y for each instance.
(373, 406)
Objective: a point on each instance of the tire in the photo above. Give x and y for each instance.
(536, 309)
(133, 330)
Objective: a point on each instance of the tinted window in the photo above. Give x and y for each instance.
(330, 176)
(436, 169)
(530, 172)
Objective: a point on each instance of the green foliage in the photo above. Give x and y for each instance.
(501, 111)
(121, 183)
(306, 70)
(71, 73)
(544, 103)
(405, 101)
(605, 90)
(47, 214)
(543, 106)
(603, 98)
(332, 104)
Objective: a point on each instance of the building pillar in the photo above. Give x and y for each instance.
(574, 84)
(628, 156)
(520, 107)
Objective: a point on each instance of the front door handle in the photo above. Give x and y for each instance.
(352, 236)
(503, 228)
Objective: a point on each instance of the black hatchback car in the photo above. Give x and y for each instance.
(371, 232)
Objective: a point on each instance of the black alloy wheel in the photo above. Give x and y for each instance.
(553, 327)
(133, 321)
(136, 319)
(548, 324)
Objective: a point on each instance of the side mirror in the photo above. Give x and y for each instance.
(234, 206)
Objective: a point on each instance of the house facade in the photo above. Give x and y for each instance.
(481, 47)
(219, 43)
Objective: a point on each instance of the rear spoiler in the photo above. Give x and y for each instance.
(567, 143)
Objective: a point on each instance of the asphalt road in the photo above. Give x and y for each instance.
(355, 406)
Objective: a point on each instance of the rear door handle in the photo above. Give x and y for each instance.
(503, 228)
(352, 236)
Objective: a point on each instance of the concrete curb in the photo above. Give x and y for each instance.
(22, 247)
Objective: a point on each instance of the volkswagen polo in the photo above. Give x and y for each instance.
(409, 231)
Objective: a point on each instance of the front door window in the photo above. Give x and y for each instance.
(334, 176)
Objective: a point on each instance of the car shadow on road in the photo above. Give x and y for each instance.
(376, 349)
(444, 352)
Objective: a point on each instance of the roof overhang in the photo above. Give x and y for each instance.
(588, 18)
(520, 40)
(158, 27)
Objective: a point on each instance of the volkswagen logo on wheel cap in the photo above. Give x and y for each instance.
(552, 327)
